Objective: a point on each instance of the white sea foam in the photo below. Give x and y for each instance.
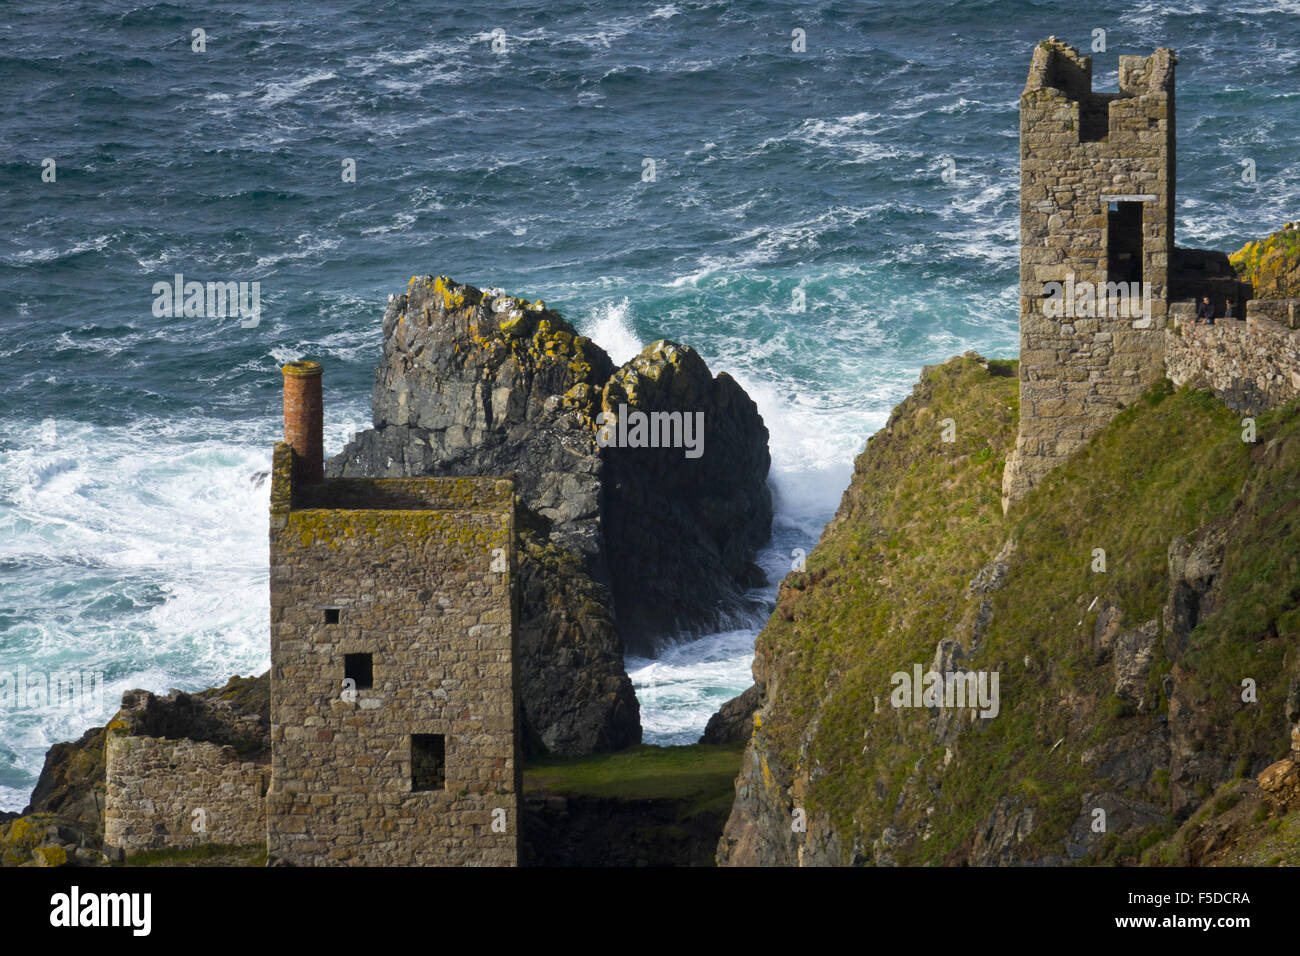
(137, 551)
(610, 327)
(687, 683)
(279, 92)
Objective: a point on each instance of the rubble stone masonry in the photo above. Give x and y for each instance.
(415, 573)
(180, 793)
(1252, 365)
(1081, 152)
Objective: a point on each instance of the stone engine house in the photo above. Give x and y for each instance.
(394, 725)
(1096, 206)
(1097, 194)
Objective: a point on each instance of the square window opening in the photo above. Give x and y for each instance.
(360, 668)
(331, 615)
(428, 762)
(1124, 242)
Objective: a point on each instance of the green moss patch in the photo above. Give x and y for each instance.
(205, 854)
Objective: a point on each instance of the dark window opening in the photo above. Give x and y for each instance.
(428, 762)
(1124, 242)
(360, 668)
(1094, 117)
(331, 615)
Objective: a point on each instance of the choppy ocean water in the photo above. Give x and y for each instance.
(132, 508)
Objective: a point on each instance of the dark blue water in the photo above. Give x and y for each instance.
(132, 520)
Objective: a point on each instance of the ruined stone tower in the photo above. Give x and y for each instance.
(1096, 207)
(393, 687)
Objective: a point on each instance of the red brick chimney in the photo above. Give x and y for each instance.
(304, 419)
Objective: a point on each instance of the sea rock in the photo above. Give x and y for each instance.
(478, 382)
(577, 698)
(680, 530)
(71, 784)
(734, 720)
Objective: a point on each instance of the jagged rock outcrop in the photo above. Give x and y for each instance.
(474, 382)
(734, 720)
(682, 525)
(478, 382)
(1272, 264)
(577, 697)
(71, 784)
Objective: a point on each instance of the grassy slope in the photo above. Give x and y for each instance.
(888, 580)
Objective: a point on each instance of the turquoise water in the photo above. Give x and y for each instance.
(132, 508)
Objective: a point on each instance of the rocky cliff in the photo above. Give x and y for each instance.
(1271, 265)
(1140, 611)
(623, 544)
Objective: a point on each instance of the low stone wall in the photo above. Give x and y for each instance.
(1252, 365)
(155, 786)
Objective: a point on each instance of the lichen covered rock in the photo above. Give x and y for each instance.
(1272, 264)
(477, 382)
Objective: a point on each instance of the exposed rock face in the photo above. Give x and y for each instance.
(734, 720)
(681, 531)
(71, 783)
(758, 831)
(1281, 784)
(1195, 565)
(577, 697)
(1134, 651)
(477, 382)
(1271, 265)
(999, 835)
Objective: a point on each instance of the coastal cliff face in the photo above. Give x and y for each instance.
(1141, 692)
(1271, 265)
(620, 543)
